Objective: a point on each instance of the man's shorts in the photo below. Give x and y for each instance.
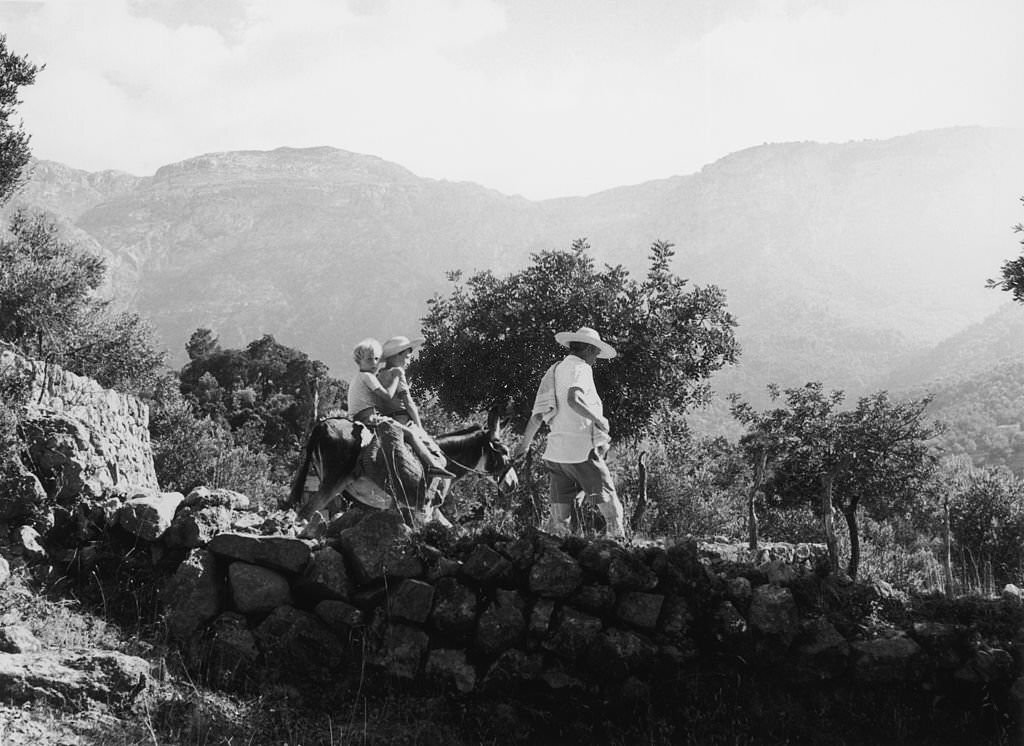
(590, 478)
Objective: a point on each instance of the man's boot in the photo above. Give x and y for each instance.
(558, 522)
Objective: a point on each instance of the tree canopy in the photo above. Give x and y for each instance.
(50, 310)
(272, 390)
(1012, 272)
(491, 339)
(874, 456)
(15, 73)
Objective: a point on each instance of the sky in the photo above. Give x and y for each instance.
(543, 98)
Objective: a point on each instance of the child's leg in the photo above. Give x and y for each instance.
(421, 444)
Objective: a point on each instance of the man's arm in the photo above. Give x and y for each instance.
(580, 407)
(532, 426)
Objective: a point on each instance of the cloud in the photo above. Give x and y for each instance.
(523, 96)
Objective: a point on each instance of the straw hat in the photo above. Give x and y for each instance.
(588, 336)
(397, 344)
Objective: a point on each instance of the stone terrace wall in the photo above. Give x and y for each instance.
(563, 620)
(116, 424)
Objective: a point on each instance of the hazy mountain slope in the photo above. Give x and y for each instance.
(838, 260)
(977, 349)
(318, 246)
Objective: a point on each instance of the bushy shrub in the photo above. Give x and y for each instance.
(189, 451)
(987, 523)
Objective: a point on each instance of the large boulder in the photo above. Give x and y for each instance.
(194, 595)
(59, 677)
(379, 546)
(283, 553)
(21, 492)
(70, 459)
(149, 513)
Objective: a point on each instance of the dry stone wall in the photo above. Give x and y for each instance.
(75, 413)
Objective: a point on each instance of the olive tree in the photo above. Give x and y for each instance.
(875, 456)
(491, 339)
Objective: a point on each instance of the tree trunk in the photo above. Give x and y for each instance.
(752, 527)
(851, 524)
(827, 522)
(641, 501)
(947, 561)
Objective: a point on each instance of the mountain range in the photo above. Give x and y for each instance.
(861, 264)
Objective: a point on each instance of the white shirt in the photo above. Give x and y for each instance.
(572, 436)
(360, 392)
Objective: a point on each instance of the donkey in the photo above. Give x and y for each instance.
(382, 472)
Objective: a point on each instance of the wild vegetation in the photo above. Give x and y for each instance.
(916, 515)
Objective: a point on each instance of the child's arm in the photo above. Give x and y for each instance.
(391, 381)
(410, 406)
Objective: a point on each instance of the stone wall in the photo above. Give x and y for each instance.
(566, 621)
(112, 426)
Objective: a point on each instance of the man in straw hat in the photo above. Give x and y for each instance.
(567, 401)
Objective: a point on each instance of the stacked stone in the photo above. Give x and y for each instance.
(537, 614)
(105, 432)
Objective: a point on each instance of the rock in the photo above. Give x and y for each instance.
(149, 514)
(510, 668)
(194, 594)
(773, 612)
(597, 599)
(574, 632)
(617, 653)
(555, 575)
(778, 571)
(411, 601)
(501, 625)
(232, 653)
(821, 653)
(627, 574)
(886, 659)
(1011, 592)
(401, 651)
(450, 669)
(17, 638)
(486, 566)
(5, 571)
(640, 609)
(728, 624)
(22, 493)
(987, 666)
(945, 644)
(298, 648)
(204, 497)
(195, 526)
(64, 452)
(276, 552)
(63, 677)
(676, 617)
(339, 615)
(379, 546)
(257, 590)
(454, 611)
(540, 617)
(739, 591)
(31, 544)
(325, 576)
(597, 556)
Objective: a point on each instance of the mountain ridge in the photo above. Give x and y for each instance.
(871, 246)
